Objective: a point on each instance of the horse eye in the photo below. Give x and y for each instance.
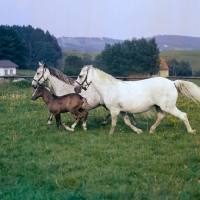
(80, 76)
(38, 73)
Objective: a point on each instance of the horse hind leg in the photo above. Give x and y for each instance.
(160, 117)
(183, 117)
(104, 119)
(127, 122)
(84, 125)
(79, 116)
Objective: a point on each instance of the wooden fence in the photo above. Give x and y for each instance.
(117, 77)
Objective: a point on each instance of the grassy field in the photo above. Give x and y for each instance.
(38, 162)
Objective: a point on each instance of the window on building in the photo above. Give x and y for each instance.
(6, 72)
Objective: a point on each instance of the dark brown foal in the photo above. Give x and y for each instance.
(73, 103)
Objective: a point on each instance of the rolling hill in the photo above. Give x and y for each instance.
(95, 44)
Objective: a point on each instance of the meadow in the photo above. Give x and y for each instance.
(38, 162)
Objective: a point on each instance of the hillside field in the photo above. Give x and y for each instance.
(193, 57)
(38, 162)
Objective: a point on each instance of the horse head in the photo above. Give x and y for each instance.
(41, 75)
(37, 93)
(82, 80)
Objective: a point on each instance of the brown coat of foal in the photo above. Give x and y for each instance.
(73, 103)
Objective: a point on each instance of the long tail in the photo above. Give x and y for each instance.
(189, 89)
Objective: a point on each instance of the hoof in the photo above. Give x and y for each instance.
(151, 132)
(193, 131)
(139, 131)
(49, 122)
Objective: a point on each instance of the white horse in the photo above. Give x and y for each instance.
(138, 96)
(63, 85)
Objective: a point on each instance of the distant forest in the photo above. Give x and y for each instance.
(25, 46)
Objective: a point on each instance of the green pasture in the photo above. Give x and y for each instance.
(38, 162)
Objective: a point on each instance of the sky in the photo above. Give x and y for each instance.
(117, 19)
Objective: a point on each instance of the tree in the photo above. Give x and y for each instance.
(131, 56)
(12, 47)
(73, 65)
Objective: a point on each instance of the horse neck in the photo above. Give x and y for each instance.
(60, 87)
(47, 96)
(103, 87)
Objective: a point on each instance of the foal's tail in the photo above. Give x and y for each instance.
(189, 89)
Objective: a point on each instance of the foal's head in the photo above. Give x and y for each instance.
(40, 92)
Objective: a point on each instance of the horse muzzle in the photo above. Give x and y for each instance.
(77, 89)
(33, 98)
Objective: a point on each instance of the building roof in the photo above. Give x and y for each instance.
(163, 64)
(7, 64)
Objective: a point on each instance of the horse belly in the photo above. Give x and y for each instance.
(129, 103)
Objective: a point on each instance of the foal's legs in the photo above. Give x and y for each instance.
(85, 114)
(58, 121)
(79, 116)
(160, 117)
(50, 118)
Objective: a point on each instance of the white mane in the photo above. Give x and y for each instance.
(108, 79)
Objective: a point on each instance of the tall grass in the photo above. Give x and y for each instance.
(38, 162)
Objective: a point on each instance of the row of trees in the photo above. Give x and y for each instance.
(181, 68)
(25, 46)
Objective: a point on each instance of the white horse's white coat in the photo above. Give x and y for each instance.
(139, 96)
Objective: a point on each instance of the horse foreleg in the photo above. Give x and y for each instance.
(114, 115)
(49, 121)
(58, 121)
(160, 117)
(127, 122)
(67, 128)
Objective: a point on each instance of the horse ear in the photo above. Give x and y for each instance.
(39, 63)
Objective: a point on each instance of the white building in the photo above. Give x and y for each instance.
(7, 68)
